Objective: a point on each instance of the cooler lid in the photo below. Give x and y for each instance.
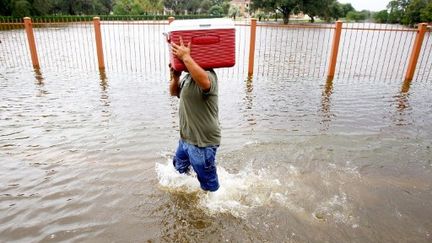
(201, 24)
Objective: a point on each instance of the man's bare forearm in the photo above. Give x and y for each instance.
(174, 86)
(198, 74)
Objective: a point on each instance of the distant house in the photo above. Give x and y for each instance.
(243, 5)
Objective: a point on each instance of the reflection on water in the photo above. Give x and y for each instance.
(249, 103)
(103, 80)
(403, 110)
(300, 161)
(104, 97)
(406, 86)
(402, 100)
(38, 76)
(104, 88)
(326, 104)
(39, 81)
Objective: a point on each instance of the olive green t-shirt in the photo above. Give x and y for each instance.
(198, 112)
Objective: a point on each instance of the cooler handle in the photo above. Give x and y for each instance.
(205, 40)
(168, 39)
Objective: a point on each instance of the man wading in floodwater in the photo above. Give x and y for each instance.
(199, 122)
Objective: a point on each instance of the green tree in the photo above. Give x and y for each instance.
(397, 10)
(72, 7)
(315, 8)
(413, 12)
(178, 6)
(263, 5)
(192, 6)
(286, 7)
(381, 16)
(41, 7)
(259, 15)
(366, 14)
(58, 7)
(5, 8)
(101, 7)
(205, 6)
(216, 10)
(217, 2)
(346, 8)
(233, 11)
(20, 8)
(226, 5)
(358, 16)
(122, 7)
(352, 16)
(46, 7)
(80, 7)
(336, 11)
(153, 6)
(106, 6)
(426, 13)
(136, 7)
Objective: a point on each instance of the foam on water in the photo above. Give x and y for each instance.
(238, 193)
(308, 195)
(338, 209)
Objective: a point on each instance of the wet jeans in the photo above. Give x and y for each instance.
(202, 161)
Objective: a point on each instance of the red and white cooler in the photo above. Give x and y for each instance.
(212, 42)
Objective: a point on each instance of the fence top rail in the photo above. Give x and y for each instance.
(73, 18)
(241, 24)
(134, 23)
(11, 23)
(379, 29)
(89, 22)
(297, 26)
(327, 26)
(61, 23)
(102, 23)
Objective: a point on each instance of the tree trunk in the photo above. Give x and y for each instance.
(312, 19)
(286, 14)
(286, 17)
(70, 9)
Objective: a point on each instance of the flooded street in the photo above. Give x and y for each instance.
(87, 158)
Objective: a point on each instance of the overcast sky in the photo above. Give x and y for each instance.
(373, 5)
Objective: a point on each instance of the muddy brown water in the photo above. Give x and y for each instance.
(87, 159)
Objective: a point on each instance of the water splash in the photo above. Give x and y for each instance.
(309, 195)
(238, 193)
(338, 209)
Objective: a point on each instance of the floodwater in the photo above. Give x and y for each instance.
(86, 157)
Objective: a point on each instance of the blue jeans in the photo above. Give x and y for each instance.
(202, 161)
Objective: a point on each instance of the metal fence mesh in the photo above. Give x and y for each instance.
(373, 52)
